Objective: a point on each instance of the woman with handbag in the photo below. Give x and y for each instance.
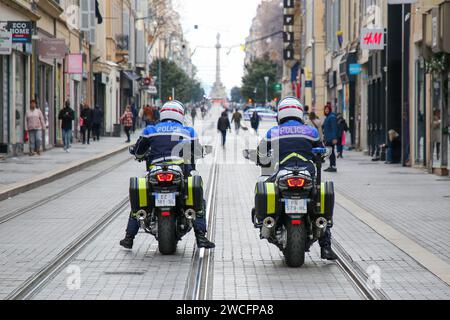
(127, 120)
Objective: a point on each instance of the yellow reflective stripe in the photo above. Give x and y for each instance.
(190, 198)
(322, 198)
(270, 198)
(170, 163)
(142, 184)
(294, 155)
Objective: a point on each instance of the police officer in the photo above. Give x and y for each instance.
(290, 144)
(161, 143)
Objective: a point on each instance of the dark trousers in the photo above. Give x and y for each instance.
(84, 130)
(325, 241)
(133, 226)
(199, 224)
(340, 147)
(127, 132)
(333, 154)
(96, 131)
(224, 136)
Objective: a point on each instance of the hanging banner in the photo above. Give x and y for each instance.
(372, 39)
(75, 63)
(21, 31)
(5, 43)
(50, 48)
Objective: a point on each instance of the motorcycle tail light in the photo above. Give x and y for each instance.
(296, 182)
(165, 177)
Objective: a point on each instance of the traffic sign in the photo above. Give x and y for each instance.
(288, 54)
(289, 4)
(278, 87)
(288, 20)
(288, 37)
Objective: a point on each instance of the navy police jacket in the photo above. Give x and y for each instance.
(289, 144)
(168, 141)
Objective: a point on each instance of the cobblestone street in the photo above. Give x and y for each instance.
(410, 262)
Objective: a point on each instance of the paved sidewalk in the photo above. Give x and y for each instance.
(19, 174)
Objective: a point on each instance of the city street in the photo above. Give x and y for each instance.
(218, 158)
(387, 236)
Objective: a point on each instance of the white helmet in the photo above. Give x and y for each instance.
(290, 107)
(172, 110)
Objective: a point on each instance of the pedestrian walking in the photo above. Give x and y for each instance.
(193, 114)
(436, 133)
(66, 116)
(97, 120)
(156, 115)
(255, 120)
(134, 111)
(236, 118)
(315, 122)
(306, 114)
(223, 125)
(342, 130)
(86, 116)
(34, 125)
(148, 116)
(127, 120)
(330, 133)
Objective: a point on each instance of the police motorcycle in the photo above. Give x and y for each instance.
(166, 200)
(292, 208)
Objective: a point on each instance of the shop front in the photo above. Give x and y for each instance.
(440, 122)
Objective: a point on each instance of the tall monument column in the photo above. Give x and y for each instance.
(218, 92)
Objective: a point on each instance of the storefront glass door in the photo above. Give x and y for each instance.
(420, 115)
(20, 95)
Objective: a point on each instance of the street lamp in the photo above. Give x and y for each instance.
(266, 79)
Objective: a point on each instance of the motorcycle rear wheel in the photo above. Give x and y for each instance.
(167, 235)
(294, 253)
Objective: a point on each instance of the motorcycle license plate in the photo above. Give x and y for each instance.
(165, 199)
(296, 206)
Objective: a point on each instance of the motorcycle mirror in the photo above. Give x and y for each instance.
(207, 150)
(249, 154)
(245, 154)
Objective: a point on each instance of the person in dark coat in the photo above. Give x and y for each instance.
(330, 135)
(97, 120)
(342, 129)
(255, 120)
(223, 125)
(66, 115)
(393, 148)
(86, 122)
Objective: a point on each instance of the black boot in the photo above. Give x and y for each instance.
(327, 253)
(203, 242)
(127, 242)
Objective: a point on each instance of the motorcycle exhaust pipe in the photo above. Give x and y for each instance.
(321, 227)
(190, 214)
(142, 216)
(267, 227)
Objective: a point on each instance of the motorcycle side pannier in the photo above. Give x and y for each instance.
(327, 200)
(139, 194)
(194, 193)
(265, 199)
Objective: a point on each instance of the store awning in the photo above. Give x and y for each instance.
(152, 90)
(131, 75)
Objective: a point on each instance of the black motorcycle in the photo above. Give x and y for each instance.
(166, 200)
(292, 208)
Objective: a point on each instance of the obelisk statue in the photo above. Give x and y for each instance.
(218, 91)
